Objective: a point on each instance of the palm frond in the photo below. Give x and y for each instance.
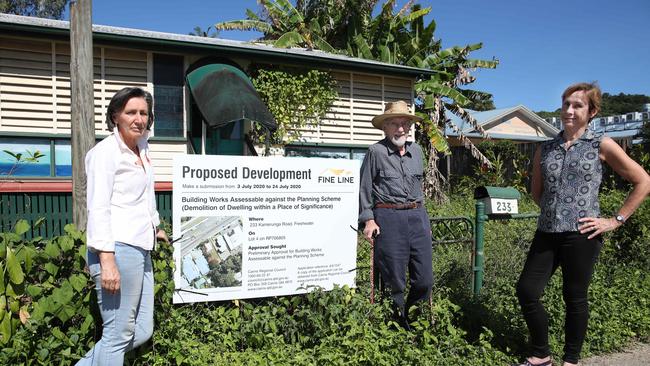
(469, 145)
(250, 15)
(322, 44)
(434, 134)
(467, 117)
(289, 10)
(483, 64)
(363, 49)
(384, 54)
(289, 39)
(476, 95)
(433, 87)
(244, 24)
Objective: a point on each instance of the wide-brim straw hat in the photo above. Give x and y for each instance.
(394, 109)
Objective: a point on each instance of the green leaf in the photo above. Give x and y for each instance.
(51, 268)
(57, 333)
(38, 312)
(40, 221)
(14, 155)
(66, 312)
(74, 233)
(14, 269)
(28, 253)
(9, 291)
(363, 48)
(43, 354)
(78, 282)
(88, 322)
(10, 237)
(384, 54)
(2, 278)
(52, 249)
(66, 243)
(34, 291)
(289, 39)
(5, 329)
(255, 25)
(63, 294)
(22, 226)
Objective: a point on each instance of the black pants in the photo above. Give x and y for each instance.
(576, 255)
(404, 242)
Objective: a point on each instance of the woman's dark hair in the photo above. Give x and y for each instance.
(122, 97)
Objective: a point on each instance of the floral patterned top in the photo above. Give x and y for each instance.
(571, 179)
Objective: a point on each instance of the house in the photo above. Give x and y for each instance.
(518, 124)
(35, 104)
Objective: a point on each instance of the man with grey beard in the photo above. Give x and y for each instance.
(392, 211)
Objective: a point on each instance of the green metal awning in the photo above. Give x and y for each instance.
(225, 94)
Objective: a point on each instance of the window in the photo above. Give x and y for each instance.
(39, 157)
(62, 158)
(168, 95)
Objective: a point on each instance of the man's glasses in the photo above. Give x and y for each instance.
(405, 125)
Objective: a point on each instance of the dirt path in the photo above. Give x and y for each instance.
(637, 355)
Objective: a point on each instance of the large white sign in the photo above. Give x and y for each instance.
(249, 227)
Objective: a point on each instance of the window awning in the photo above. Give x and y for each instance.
(224, 94)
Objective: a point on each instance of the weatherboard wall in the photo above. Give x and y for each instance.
(35, 96)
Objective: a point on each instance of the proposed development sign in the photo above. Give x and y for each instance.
(254, 227)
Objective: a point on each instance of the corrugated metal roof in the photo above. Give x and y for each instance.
(152, 38)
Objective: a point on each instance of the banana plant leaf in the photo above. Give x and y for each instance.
(224, 94)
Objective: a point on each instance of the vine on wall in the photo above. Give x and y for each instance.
(298, 99)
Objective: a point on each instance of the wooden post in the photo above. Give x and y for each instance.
(82, 108)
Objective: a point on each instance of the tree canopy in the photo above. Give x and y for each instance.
(52, 9)
(612, 105)
(622, 103)
(398, 36)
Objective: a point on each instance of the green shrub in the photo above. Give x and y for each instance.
(46, 279)
(48, 297)
(510, 167)
(618, 293)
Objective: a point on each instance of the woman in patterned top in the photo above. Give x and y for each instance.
(565, 183)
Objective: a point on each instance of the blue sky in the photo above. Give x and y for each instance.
(542, 46)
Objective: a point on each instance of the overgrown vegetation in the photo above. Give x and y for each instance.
(510, 167)
(47, 303)
(298, 99)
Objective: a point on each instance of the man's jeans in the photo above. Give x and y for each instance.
(128, 314)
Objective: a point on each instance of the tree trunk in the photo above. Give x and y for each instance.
(82, 108)
(435, 184)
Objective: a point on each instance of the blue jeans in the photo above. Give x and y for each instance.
(127, 315)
